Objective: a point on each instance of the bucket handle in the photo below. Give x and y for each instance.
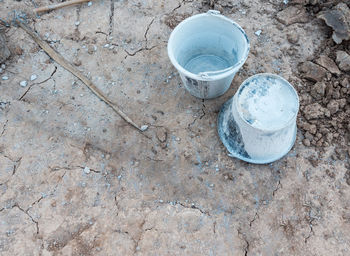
(207, 74)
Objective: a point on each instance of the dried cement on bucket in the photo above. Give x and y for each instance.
(267, 103)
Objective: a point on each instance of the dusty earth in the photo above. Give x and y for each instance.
(75, 179)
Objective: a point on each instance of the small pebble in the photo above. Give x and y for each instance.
(177, 139)
(77, 23)
(5, 78)
(89, 3)
(211, 185)
(257, 33)
(106, 46)
(23, 83)
(87, 170)
(144, 127)
(33, 77)
(0, 70)
(3, 66)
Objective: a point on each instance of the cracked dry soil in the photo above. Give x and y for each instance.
(176, 192)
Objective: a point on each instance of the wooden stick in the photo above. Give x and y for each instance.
(57, 6)
(64, 63)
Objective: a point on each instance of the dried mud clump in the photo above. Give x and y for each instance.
(338, 19)
(325, 96)
(173, 20)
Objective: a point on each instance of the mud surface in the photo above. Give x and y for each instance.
(75, 179)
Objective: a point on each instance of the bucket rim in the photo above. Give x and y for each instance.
(233, 69)
(290, 122)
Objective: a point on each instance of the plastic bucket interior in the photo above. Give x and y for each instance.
(208, 47)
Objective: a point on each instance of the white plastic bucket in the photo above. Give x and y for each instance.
(258, 124)
(207, 50)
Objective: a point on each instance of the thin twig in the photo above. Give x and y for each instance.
(57, 6)
(68, 66)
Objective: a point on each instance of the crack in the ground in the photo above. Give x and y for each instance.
(26, 212)
(147, 29)
(137, 241)
(154, 159)
(203, 112)
(111, 16)
(139, 50)
(57, 168)
(179, 6)
(279, 185)
(256, 216)
(193, 206)
(191, 124)
(116, 204)
(311, 231)
(30, 87)
(4, 128)
(144, 48)
(243, 237)
(137, 248)
(17, 164)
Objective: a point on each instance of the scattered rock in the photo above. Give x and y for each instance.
(338, 19)
(77, 23)
(91, 49)
(310, 128)
(33, 77)
(258, 32)
(318, 90)
(314, 161)
(144, 127)
(328, 64)
(87, 170)
(293, 37)
(314, 111)
(77, 62)
(313, 71)
(23, 83)
(4, 51)
(333, 106)
(292, 14)
(5, 78)
(89, 4)
(345, 83)
(306, 142)
(343, 60)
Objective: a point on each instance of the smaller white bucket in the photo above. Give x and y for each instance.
(208, 49)
(258, 124)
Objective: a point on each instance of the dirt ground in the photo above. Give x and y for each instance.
(75, 179)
